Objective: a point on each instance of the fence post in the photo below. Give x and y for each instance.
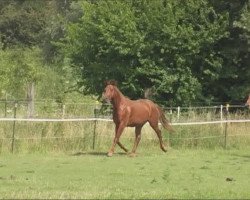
(178, 112)
(221, 115)
(95, 122)
(14, 129)
(225, 141)
(221, 112)
(169, 139)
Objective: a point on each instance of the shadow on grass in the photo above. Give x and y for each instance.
(241, 156)
(95, 154)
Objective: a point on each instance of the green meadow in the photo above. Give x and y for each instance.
(67, 160)
(193, 173)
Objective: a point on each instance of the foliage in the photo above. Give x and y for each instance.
(21, 22)
(57, 15)
(19, 67)
(234, 78)
(29, 32)
(167, 46)
(176, 52)
(58, 83)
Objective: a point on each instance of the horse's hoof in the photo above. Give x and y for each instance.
(163, 149)
(110, 154)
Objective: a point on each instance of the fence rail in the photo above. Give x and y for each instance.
(110, 120)
(14, 138)
(85, 112)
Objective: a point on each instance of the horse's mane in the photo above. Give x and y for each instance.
(110, 82)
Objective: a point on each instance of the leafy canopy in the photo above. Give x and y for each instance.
(162, 45)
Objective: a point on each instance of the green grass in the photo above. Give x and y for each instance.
(176, 174)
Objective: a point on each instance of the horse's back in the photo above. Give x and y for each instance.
(142, 104)
(142, 110)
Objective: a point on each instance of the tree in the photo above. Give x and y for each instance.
(57, 15)
(164, 45)
(29, 31)
(20, 70)
(233, 83)
(21, 22)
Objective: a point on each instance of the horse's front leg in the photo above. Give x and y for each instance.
(119, 143)
(118, 131)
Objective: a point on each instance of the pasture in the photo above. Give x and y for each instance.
(179, 173)
(62, 160)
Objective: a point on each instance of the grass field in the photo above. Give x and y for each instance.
(179, 173)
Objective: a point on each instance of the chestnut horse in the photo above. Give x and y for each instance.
(130, 113)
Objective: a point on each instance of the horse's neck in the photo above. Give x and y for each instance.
(118, 99)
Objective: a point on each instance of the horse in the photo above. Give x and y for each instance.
(133, 113)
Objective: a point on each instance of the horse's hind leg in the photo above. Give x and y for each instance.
(158, 132)
(120, 144)
(137, 139)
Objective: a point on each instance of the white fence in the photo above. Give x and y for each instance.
(179, 116)
(109, 120)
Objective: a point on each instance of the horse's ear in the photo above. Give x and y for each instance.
(105, 82)
(111, 82)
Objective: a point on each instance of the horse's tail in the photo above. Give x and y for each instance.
(165, 123)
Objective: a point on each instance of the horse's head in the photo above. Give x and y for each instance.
(109, 91)
(248, 101)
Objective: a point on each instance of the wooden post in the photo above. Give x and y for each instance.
(225, 140)
(14, 129)
(221, 112)
(169, 135)
(95, 123)
(178, 112)
(221, 115)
